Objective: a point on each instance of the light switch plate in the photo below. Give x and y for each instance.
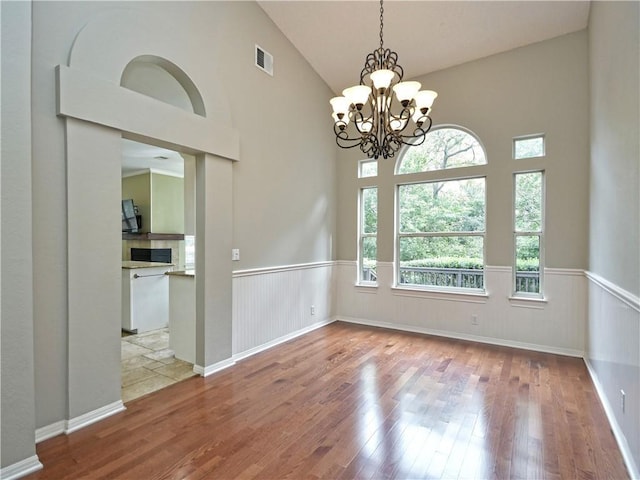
(235, 254)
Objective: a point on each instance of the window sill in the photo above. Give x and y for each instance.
(366, 287)
(527, 302)
(457, 295)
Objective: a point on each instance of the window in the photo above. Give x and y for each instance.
(189, 252)
(440, 225)
(443, 148)
(528, 233)
(368, 245)
(528, 147)
(368, 168)
(441, 228)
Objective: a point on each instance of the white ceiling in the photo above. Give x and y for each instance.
(336, 36)
(137, 157)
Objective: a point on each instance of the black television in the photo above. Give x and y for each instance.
(129, 221)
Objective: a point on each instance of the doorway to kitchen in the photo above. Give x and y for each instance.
(99, 108)
(158, 242)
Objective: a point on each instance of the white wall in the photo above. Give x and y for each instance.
(556, 325)
(540, 88)
(613, 357)
(17, 397)
(613, 344)
(270, 305)
(276, 218)
(279, 220)
(615, 144)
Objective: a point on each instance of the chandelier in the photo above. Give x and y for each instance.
(369, 107)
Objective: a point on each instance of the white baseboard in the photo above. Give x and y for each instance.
(95, 416)
(69, 426)
(280, 340)
(21, 469)
(464, 336)
(50, 431)
(216, 367)
(634, 472)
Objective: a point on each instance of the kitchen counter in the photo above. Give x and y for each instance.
(130, 264)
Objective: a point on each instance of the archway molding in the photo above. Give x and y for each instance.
(98, 112)
(185, 85)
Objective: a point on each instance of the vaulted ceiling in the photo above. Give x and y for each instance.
(336, 36)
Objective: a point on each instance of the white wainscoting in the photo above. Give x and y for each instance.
(556, 325)
(613, 358)
(271, 305)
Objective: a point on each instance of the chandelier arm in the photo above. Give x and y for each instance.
(358, 116)
(405, 113)
(343, 140)
(419, 134)
(370, 147)
(364, 140)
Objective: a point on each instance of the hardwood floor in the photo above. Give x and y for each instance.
(347, 401)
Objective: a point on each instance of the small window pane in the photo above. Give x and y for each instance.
(450, 206)
(368, 239)
(368, 168)
(528, 147)
(369, 210)
(443, 148)
(528, 263)
(528, 214)
(189, 251)
(369, 255)
(442, 261)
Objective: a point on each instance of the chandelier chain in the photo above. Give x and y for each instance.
(381, 24)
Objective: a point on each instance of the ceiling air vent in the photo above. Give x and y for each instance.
(264, 60)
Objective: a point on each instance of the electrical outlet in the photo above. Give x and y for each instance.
(313, 309)
(474, 319)
(622, 399)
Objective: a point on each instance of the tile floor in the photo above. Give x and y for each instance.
(149, 365)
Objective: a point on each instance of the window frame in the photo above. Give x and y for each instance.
(436, 176)
(540, 234)
(466, 172)
(529, 137)
(364, 162)
(362, 234)
(435, 128)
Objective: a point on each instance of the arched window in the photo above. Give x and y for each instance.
(444, 147)
(440, 226)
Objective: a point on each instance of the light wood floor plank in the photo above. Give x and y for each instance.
(349, 401)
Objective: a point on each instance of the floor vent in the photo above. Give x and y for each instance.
(264, 60)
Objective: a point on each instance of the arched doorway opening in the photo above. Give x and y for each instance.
(98, 112)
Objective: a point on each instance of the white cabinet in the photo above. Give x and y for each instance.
(145, 296)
